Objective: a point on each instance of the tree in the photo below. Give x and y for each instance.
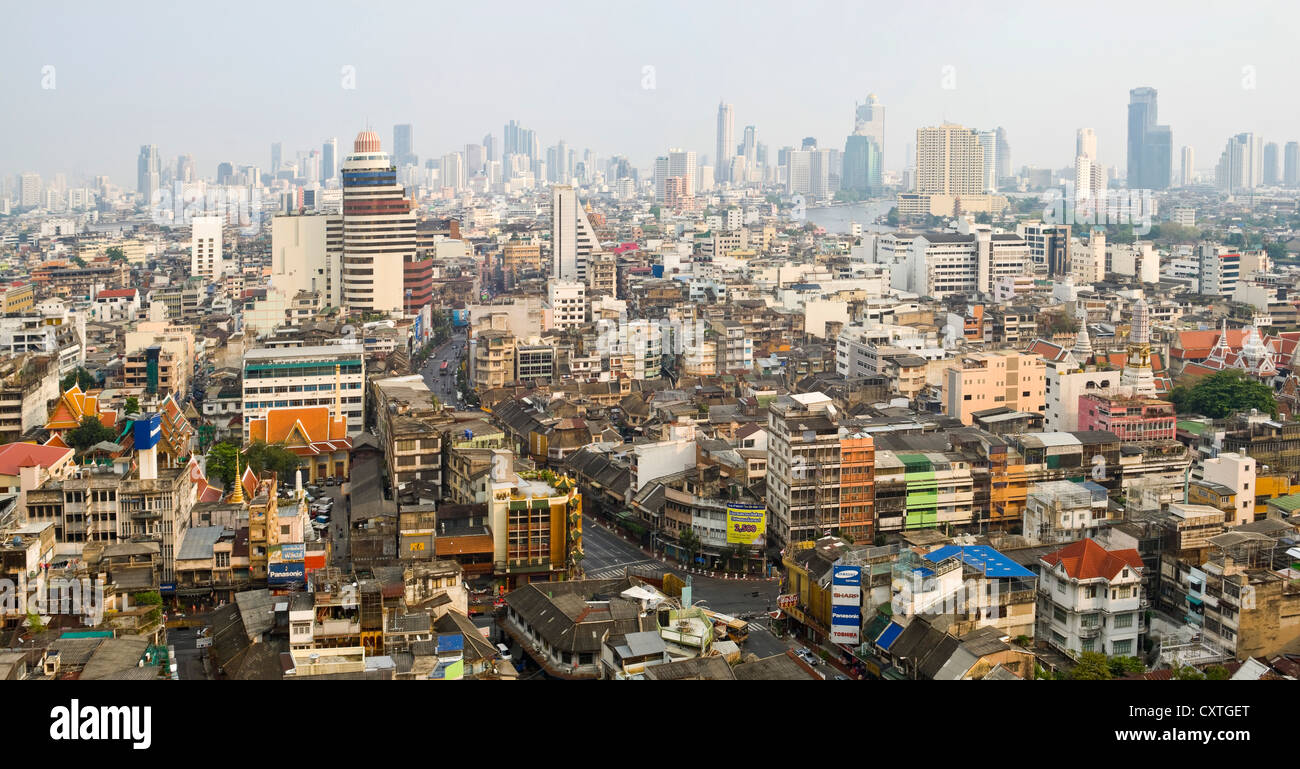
(1217, 673)
(1276, 250)
(1223, 394)
(133, 405)
(268, 457)
(689, 542)
(891, 218)
(81, 378)
(1121, 665)
(1187, 673)
(90, 432)
(221, 463)
(115, 254)
(1093, 666)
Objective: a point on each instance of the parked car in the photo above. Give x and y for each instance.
(331, 481)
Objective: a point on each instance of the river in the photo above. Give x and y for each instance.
(836, 219)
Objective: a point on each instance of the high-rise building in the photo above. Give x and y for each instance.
(1241, 165)
(452, 171)
(989, 143)
(1085, 143)
(1089, 175)
(682, 163)
(1291, 164)
(378, 229)
(869, 120)
(1270, 175)
(1004, 155)
(207, 258)
(661, 177)
(820, 167)
(726, 142)
(225, 173)
(402, 144)
(29, 190)
(185, 169)
(750, 147)
(329, 164)
(148, 172)
(491, 152)
(573, 240)
(276, 156)
(1150, 145)
(305, 251)
(862, 165)
(949, 161)
(1188, 173)
(798, 175)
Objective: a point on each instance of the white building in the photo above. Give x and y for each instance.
(1139, 260)
(306, 255)
(328, 375)
(1220, 269)
(1063, 511)
(568, 301)
(573, 240)
(207, 259)
(940, 264)
(378, 229)
(1064, 383)
(1090, 599)
(1237, 472)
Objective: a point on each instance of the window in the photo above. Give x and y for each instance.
(1122, 648)
(1123, 620)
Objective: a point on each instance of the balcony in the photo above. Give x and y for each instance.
(1092, 631)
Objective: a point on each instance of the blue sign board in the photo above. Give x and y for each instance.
(294, 552)
(419, 327)
(846, 576)
(460, 318)
(657, 270)
(147, 431)
(167, 587)
(285, 573)
(846, 615)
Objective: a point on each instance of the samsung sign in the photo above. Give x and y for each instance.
(849, 576)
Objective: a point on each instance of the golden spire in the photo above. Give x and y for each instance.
(238, 497)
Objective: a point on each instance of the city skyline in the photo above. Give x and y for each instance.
(626, 109)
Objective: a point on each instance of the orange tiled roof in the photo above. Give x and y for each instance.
(304, 430)
(73, 406)
(1086, 559)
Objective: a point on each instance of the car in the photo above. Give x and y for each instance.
(331, 481)
(840, 677)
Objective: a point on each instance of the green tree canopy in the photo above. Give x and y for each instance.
(1187, 673)
(1093, 666)
(90, 432)
(115, 254)
(81, 377)
(1122, 665)
(269, 457)
(1223, 394)
(132, 405)
(221, 463)
(1217, 673)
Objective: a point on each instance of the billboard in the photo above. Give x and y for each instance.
(416, 546)
(293, 552)
(846, 624)
(147, 430)
(460, 318)
(746, 523)
(285, 573)
(847, 576)
(846, 595)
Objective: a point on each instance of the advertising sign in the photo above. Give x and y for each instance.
(147, 431)
(845, 595)
(293, 552)
(285, 573)
(847, 576)
(460, 318)
(844, 634)
(417, 546)
(746, 523)
(787, 600)
(846, 624)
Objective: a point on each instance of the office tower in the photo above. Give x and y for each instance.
(1189, 167)
(661, 177)
(819, 174)
(329, 163)
(573, 240)
(750, 147)
(949, 161)
(862, 165)
(1291, 172)
(869, 120)
(809, 143)
(490, 149)
(760, 155)
(276, 156)
(1150, 145)
(29, 190)
(474, 159)
(378, 229)
(726, 142)
(225, 173)
(989, 143)
(1085, 143)
(682, 163)
(185, 169)
(207, 255)
(798, 173)
(305, 255)
(1241, 164)
(1270, 173)
(402, 154)
(148, 172)
(452, 171)
(1004, 155)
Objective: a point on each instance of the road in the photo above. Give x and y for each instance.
(339, 530)
(608, 555)
(452, 352)
(189, 660)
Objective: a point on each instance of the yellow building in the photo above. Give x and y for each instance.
(986, 380)
(17, 298)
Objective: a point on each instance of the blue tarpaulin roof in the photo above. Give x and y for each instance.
(890, 635)
(451, 642)
(986, 559)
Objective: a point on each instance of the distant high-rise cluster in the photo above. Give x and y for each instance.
(1150, 146)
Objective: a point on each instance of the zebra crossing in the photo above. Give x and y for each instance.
(617, 570)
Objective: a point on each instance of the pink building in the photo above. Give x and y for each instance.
(1133, 419)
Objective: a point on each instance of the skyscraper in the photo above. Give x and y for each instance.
(1189, 167)
(1270, 176)
(1150, 146)
(1004, 155)
(1085, 143)
(989, 143)
(148, 172)
(402, 155)
(573, 240)
(862, 165)
(1241, 166)
(750, 145)
(276, 156)
(1291, 163)
(329, 163)
(869, 120)
(726, 141)
(1089, 175)
(185, 169)
(682, 163)
(949, 161)
(378, 229)
(661, 177)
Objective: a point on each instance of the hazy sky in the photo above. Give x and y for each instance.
(223, 80)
